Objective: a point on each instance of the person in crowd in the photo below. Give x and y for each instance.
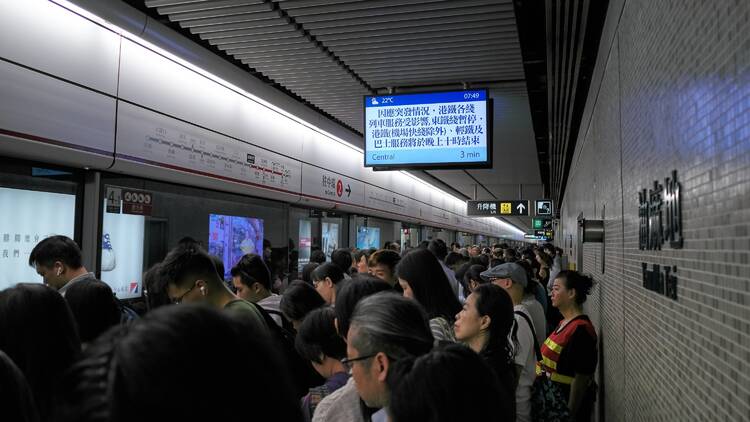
(455, 247)
(544, 262)
(344, 404)
(395, 247)
(472, 277)
(361, 258)
(318, 256)
(556, 262)
(172, 365)
(460, 273)
(384, 329)
(267, 251)
(424, 280)
(307, 270)
(569, 355)
(474, 250)
(191, 277)
(343, 258)
(529, 256)
(58, 260)
(495, 262)
(423, 244)
(16, 400)
(485, 325)
(328, 279)
(219, 264)
(534, 300)
(454, 261)
(38, 332)
(298, 300)
(252, 281)
(509, 255)
(448, 384)
(440, 250)
(512, 277)
(382, 264)
(94, 307)
(318, 342)
(154, 289)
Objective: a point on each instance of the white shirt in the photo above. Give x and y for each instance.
(340, 406)
(272, 303)
(536, 310)
(526, 358)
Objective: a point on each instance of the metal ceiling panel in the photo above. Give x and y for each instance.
(333, 52)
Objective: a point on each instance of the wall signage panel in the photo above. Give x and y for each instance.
(149, 137)
(497, 207)
(325, 184)
(382, 199)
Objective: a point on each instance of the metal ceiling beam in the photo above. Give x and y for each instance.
(406, 18)
(433, 9)
(431, 30)
(443, 54)
(418, 43)
(223, 27)
(422, 35)
(225, 20)
(224, 11)
(279, 27)
(272, 37)
(204, 5)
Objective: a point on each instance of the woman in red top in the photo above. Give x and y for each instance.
(569, 355)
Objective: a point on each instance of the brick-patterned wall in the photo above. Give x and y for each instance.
(671, 91)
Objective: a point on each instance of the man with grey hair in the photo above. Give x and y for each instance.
(384, 328)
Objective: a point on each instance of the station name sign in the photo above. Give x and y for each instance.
(660, 223)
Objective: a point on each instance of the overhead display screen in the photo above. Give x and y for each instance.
(432, 130)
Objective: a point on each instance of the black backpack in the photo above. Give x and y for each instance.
(301, 372)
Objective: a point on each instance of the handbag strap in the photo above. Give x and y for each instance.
(537, 350)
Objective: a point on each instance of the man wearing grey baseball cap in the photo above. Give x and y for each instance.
(512, 277)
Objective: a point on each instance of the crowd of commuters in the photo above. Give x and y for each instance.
(432, 333)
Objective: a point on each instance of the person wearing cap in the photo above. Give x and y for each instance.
(512, 277)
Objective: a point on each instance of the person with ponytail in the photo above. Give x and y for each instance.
(569, 355)
(485, 324)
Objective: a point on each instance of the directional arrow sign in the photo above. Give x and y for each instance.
(502, 207)
(348, 190)
(514, 207)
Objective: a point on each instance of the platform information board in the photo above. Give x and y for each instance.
(428, 130)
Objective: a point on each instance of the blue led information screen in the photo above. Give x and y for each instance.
(442, 129)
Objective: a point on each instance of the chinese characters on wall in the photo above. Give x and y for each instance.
(660, 223)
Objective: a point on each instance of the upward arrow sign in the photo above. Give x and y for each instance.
(520, 208)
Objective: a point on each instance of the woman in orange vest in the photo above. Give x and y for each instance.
(569, 355)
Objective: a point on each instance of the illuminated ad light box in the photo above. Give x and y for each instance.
(26, 218)
(439, 130)
(231, 237)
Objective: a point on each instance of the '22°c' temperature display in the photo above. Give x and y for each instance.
(433, 130)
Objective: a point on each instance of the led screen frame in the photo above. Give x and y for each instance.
(487, 164)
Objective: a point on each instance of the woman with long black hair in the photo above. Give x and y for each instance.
(485, 324)
(423, 279)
